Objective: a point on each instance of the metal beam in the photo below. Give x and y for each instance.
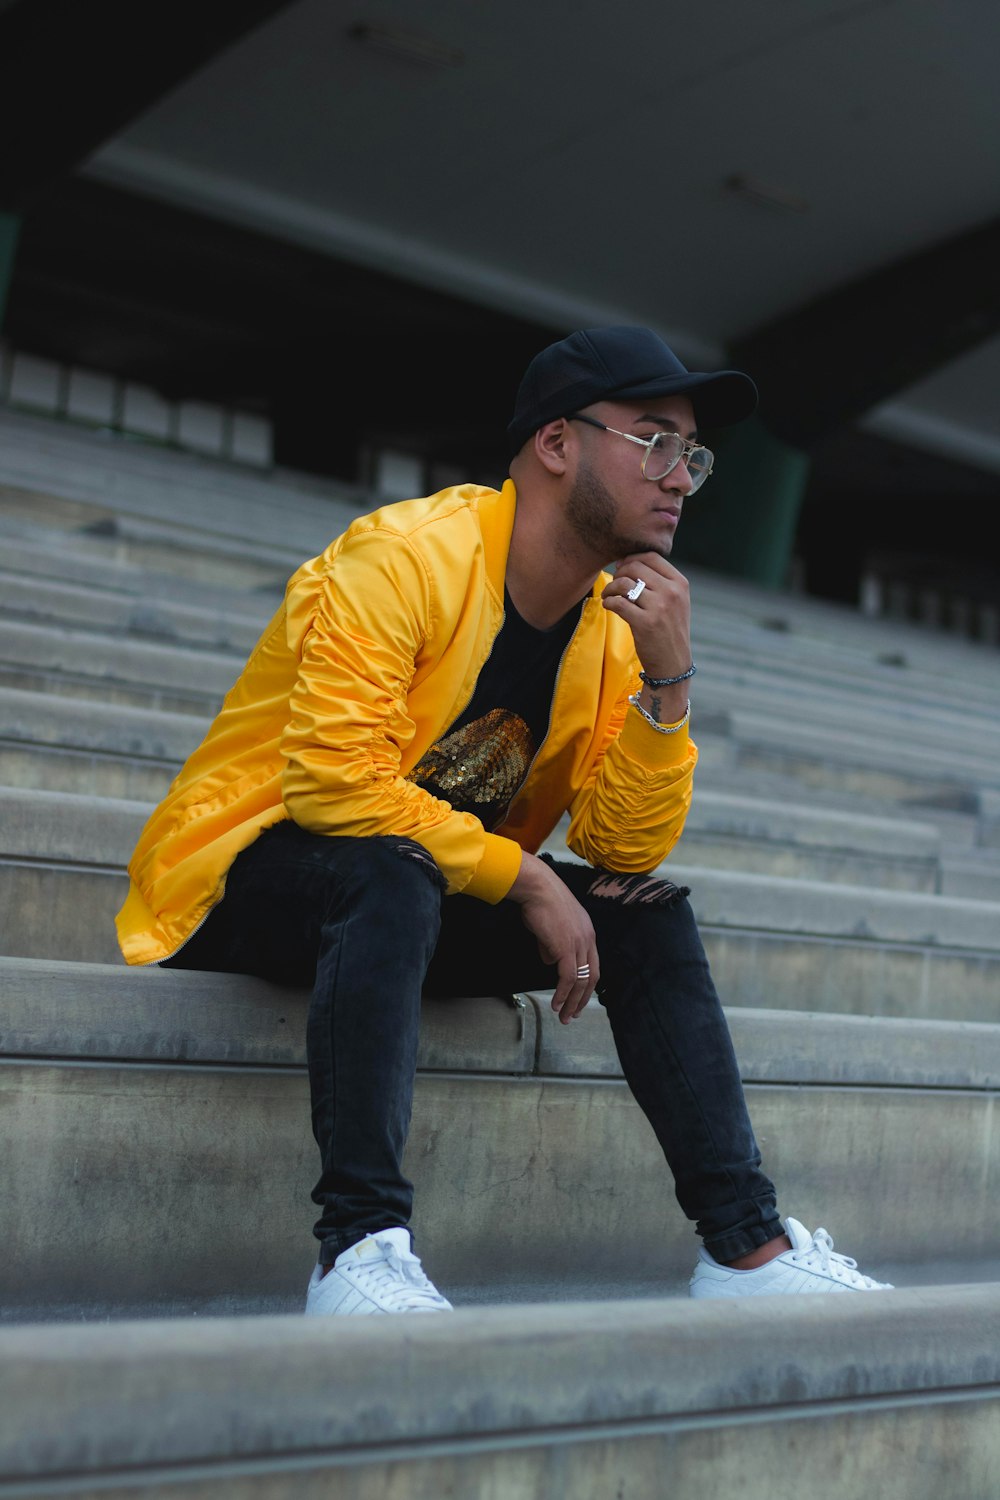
(72, 76)
(824, 365)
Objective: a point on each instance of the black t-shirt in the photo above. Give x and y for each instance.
(479, 764)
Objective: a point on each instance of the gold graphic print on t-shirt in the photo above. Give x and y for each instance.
(480, 767)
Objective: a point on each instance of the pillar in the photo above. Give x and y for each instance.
(744, 519)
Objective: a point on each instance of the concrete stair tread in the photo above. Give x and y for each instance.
(94, 563)
(855, 648)
(821, 624)
(521, 1127)
(57, 1008)
(34, 717)
(863, 704)
(787, 736)
(278, 1396)
(206, 494)
(578, 1287)
(145, 616)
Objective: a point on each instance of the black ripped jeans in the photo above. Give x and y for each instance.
(364, 921)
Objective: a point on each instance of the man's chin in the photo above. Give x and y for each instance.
(662, 546)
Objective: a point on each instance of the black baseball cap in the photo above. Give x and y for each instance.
(621, 364)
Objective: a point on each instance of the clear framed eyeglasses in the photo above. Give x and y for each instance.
(664, 451)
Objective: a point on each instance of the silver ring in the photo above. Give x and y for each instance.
(636, 589)
(583, 972)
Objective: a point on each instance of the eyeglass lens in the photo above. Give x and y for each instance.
(667, 449)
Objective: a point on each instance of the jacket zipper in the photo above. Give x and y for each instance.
(151, 963)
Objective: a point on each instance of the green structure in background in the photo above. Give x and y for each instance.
(744, 520)
(10, 227)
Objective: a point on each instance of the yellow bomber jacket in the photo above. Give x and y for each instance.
(373, 653)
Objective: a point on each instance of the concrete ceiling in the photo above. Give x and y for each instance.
(573, 163)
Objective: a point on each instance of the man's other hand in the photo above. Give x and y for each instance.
(564, 933)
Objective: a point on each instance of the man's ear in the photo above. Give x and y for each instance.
(551, 443)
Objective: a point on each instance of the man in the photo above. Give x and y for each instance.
(439, 686)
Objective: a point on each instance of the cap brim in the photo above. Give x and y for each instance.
(719, 399)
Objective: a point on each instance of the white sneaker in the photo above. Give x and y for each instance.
(380, 1274)
(810, 1266)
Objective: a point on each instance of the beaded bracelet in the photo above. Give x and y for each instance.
(661, 682)
(660, 728)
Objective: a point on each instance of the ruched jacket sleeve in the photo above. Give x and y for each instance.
(364, 632)
(631, 810)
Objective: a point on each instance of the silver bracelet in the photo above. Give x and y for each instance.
(660, 728)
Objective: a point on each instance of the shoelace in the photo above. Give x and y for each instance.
(821, 1256)
(401, 1281)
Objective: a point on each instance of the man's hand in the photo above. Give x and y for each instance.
(660, 621)
(564, 932)
(660, 618)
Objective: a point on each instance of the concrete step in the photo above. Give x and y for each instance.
(863, 705)
(825, 760)
(204, 495)
(967, 827)
(118, 614)
(96, 558)
(726, 831)
(895, 1396)
(144, 1109)
(974, 878)
(87, 664)
(961, 670)
(196, 560)
(758, 621)
(91, 747)
(831, 947)
(772, 941)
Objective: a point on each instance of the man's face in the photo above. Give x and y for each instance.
(611, 506)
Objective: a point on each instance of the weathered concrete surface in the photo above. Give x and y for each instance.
(124, 665)
(767, 836)
(91, 773)
(180, 1189)
(740, 899)
(53, 911)
(95, 1011)
(54, 1010)
(824, 761)
(653, 1397)
(858, 978)
(87, 559)
(50, 742)
(40, 719)
(748, 624)
(78, 829)
(189, 559)
(170, 1103)
(869, 705)
(160, 619)
(203, 495)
